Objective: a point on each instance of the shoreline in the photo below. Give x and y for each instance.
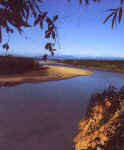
(102, 65)
(52, 73)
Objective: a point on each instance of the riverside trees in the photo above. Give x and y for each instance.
(16, 14)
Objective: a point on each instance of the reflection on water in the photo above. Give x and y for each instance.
(44, 116)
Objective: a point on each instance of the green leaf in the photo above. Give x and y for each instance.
(48, 46)
(53, 35)
(32, 9)
(37, 20)
(120, 14)
(49, 21)
(87, 2)
(108, 17)
(27, 15)
(5, 46)
(55, 18)
(41, 24)
(121, 1)
(47, 34)
(114, 20)
(0, 35)
(44, 15)
(81, 1)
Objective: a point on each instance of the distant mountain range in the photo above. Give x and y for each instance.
(78, 57)
(88, 57)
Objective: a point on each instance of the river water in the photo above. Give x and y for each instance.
(45, 116)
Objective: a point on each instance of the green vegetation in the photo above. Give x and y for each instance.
(106, 65)
(17, 65)
(23, 10)
(102, 127)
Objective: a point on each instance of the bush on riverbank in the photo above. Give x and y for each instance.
(107, 65)
(102, 127)
(17, 65)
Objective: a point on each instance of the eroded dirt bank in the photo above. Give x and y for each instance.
(102, 127)
(49, 74)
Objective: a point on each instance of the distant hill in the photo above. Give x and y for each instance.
(63, 57)
(88, 57)
(76, 57)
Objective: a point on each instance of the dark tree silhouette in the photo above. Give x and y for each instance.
(15, 14)
(44, 58)
(115, 13)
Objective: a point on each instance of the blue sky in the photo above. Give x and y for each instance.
(81, 32)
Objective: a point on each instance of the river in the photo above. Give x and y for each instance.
(45, 116)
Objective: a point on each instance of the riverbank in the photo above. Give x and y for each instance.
(105, 65)
(45, 73)
(102, 127)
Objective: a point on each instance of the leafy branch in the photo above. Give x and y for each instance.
(116, 15)
(15, 14)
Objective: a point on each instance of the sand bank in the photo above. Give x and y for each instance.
(50, 74)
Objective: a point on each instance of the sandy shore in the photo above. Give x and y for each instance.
(49, 74)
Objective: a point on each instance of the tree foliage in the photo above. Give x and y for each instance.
(15, 15)
(115, 13)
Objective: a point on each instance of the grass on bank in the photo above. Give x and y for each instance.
(17, 70)
(17, 65)
(106, 65)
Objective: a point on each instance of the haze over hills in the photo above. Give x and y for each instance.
(85, 57)
(73, 57)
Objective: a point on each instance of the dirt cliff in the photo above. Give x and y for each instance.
(102, 127)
